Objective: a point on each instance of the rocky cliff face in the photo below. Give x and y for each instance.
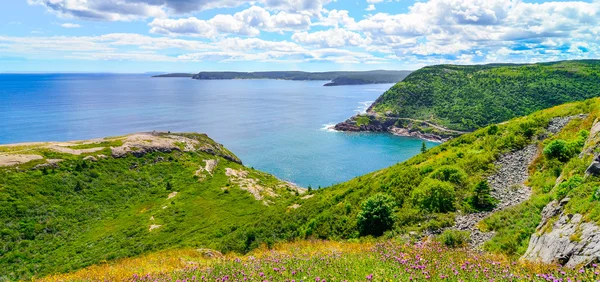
(564, 238)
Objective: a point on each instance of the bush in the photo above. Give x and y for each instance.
(481, 199)
(376, 215)
(558, 149)
(451, 174)
(434, 196)
(562, 150)
(454, 238)
(564, 188)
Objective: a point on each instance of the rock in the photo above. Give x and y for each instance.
(90, 158)
(15, 159)
(208, 253)
(594, 168)
(567, 240)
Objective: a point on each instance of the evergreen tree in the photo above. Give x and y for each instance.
(423, 147)
(482, 198)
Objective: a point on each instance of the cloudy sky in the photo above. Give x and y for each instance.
(311, 35)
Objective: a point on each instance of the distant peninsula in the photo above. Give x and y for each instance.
(335, 77)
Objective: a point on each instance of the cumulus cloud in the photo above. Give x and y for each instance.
(248, 23)
(335, 37)
(429, 31)
(124, 10)
(452, 28)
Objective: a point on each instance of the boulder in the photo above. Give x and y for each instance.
(563, 238)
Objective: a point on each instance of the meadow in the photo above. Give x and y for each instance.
(321, 261)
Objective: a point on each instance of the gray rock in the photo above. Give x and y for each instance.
(567, 240)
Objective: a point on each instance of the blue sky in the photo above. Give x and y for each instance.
(311, 35)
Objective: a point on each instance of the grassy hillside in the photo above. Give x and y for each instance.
(426, 192)
(329, 261)
(123, 196)
(470, 97)
(61, 216)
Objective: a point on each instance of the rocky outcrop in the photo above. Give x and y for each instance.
(398, 126)
(564, 238)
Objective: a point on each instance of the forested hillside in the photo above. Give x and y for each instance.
(466, 98)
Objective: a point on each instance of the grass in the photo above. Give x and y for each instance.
(389, 260)
(83, 212)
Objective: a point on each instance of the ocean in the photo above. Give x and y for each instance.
(280, 127)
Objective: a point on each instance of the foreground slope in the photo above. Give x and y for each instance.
(390, 260)
(458, 98)
(461, 185)
(66, 205)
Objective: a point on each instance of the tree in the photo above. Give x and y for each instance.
(423, 147)
(482, 199)
(376, 215)
(434, 196)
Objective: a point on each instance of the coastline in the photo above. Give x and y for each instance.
(405, 127)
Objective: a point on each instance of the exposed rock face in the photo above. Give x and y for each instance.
(564, 238)
(10, 160)
(594, 168)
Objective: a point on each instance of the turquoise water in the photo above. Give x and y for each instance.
(272, 125)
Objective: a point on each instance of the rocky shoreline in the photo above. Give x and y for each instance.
(397, 126)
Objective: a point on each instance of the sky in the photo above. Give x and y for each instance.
(137, 36)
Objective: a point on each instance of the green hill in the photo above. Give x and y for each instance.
(466, 98)
(66, 205)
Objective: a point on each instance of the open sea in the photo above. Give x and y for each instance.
(276, 126)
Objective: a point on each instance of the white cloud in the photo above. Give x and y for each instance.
(248, 22)
(70, 25)
(335, 37)
(370, 8)
(125, 10)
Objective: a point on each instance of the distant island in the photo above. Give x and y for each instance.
(336, 77)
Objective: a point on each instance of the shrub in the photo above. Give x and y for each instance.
(451, 174)
(481, 199)
(454, 238)
(558, 149)
(564, 188)
(376, 215)
(562, 150)
(434, 196)
(492, 130)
